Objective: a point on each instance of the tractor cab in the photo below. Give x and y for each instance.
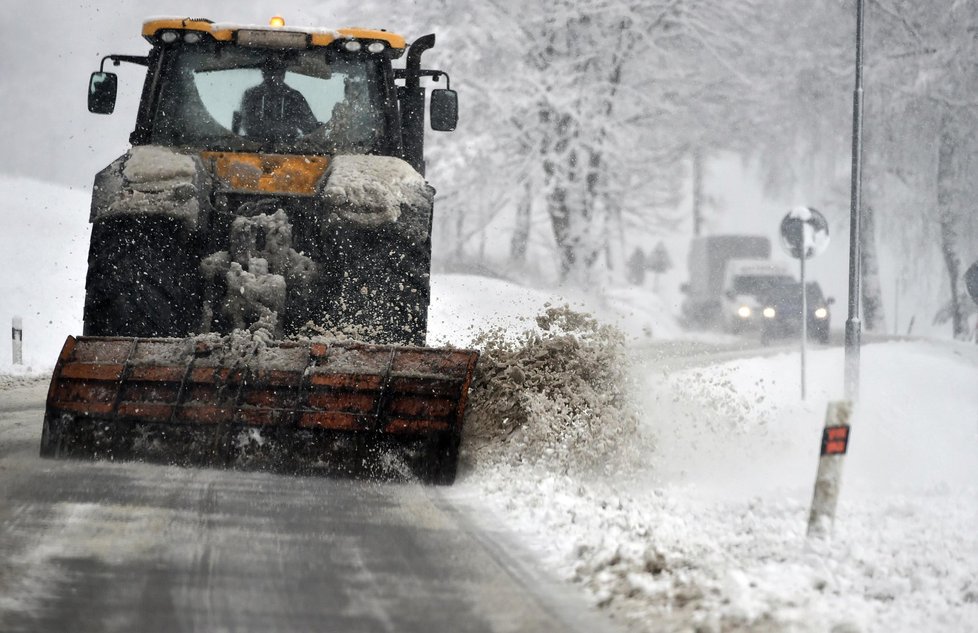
(280, 90)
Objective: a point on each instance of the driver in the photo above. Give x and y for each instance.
(273, 111)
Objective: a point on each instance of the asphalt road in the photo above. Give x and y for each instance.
(137, 547)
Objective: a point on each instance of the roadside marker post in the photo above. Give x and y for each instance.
(835, 444)
(17, 340)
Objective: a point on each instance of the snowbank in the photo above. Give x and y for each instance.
(709, 535)
(463, 306)
(43, 258)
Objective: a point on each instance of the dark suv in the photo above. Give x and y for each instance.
(781, 312)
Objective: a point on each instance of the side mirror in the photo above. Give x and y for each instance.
(830, 301)
(444, 110)
(102, 88)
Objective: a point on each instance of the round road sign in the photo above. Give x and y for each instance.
(804, 230)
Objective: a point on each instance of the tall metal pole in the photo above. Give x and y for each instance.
(853, 326)
(804, 312)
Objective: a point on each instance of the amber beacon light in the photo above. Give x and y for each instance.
(277, 22)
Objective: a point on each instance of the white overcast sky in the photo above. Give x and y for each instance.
(48, 48)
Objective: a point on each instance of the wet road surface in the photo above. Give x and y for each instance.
(137, 547)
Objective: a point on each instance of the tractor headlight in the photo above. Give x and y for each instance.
(352, 45)
(821, 313)
(376, 47)
(769, 313)
(169, 37)
(191, 37)
(743, 312)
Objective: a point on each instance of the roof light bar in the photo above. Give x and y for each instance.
(272, 39)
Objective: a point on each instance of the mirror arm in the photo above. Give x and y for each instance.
(141, 60)
(401, 73)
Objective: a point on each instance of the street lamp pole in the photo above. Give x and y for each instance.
(853, 325)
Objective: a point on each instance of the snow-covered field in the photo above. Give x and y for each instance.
(696, 521)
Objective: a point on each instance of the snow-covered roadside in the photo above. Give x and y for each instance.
(707, 531)
(709, 536)
(43, 254)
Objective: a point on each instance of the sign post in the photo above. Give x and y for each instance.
(804, 234)
(17, 340)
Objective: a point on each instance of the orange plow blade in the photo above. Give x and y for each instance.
(289, 405)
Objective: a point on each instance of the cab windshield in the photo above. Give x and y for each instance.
(225, 97)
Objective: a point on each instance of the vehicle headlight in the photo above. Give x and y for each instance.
(169, 37)
(821, 313)
(769, 313)
(352, 45)
(376, 47)
(743, 312)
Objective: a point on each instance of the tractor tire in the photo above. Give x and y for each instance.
(50, 439)
(439, 464)
(379, 279)
(143, 279)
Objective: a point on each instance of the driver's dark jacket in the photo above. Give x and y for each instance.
(276, 113)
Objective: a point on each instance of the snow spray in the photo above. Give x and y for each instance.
(558, 394)
(835, 443)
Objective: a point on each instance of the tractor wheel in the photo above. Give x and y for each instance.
(143, 279)
(440, 461)
(50, 439)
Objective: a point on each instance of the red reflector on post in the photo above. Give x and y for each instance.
(835, 440)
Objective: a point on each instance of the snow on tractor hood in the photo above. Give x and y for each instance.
(150, 181)
(370, 190)
(361, 190)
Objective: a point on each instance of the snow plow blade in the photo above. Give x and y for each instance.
(295, 406)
